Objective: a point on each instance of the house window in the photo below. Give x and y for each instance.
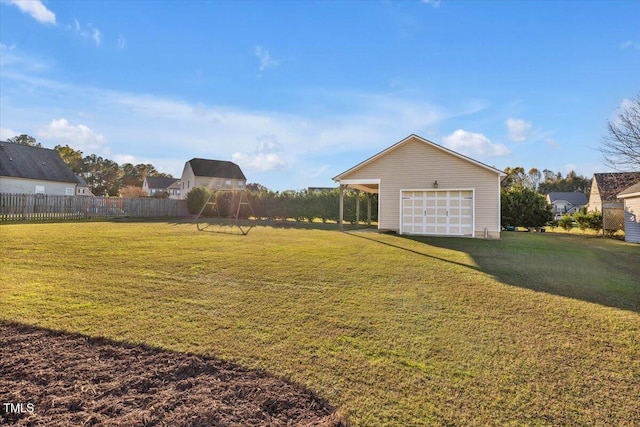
(39, 189)
(227, 183)
(240, 184)
(68, 191)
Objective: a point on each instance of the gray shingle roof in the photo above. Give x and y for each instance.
(81, 181)
(610, 184)
(216, 169)
(23, 161)
(160, 182)
(574, 197)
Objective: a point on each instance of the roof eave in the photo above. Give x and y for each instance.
(338, 177)
(626, 196)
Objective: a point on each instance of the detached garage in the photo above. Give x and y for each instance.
(426, 189)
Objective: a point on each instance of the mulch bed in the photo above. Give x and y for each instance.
(75, 380)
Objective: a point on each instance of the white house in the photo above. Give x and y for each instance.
(566, 203)
(34, 170)
(157, 186)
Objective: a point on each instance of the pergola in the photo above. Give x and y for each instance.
(369, 186)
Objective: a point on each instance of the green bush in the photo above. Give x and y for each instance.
(582, 219)
(595, 221)
(566, 222)
(196, 198)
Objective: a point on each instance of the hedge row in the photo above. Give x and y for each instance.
(300, 205)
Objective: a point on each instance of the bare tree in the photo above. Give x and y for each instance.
(621, 146)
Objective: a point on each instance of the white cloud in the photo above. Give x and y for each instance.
(122, 42)
(519, 130)
(96, 35)
(262, 162)
(434, 3)
(6, 133)
(266, 61)
(287, 144)
(630, 44)
(79, 137)
(474, 144)
(265, 158)
(88, 31)
(36, 9)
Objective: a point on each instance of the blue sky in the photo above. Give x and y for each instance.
(297, 92)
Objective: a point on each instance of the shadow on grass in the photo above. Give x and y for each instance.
(588, 268)
(413, 251)
(222, 223)
(72, 379)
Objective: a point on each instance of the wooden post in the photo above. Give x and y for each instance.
(341, 208)
(357, 208)
(369, 209)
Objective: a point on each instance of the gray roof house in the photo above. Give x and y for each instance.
(566, 202)
(34, 170)
(605, 187)
(214, 174)
(83, 188)
(157, 186)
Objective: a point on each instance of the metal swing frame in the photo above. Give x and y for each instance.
(232, 222)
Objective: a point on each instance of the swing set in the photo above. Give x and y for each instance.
(237, 199)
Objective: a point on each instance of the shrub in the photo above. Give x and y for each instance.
(566, 222)
(132, 192)
(595, 221)
(196, 198)
(582, 219)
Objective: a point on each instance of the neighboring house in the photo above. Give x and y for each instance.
(157, 186)
(214, 174)
(631, 201)
(83, 188)
(566, 202)
(34, 170)
(604, 189)
(426, 189)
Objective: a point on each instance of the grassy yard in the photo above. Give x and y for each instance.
(535, 329)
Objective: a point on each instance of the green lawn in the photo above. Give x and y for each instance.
(535, 329)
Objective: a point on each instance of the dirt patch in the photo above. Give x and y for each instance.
(53, 379)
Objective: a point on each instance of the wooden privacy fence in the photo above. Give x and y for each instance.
(20, 207)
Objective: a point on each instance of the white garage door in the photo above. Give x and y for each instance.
(442, 212)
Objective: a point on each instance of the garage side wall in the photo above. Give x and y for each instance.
(632, 219)
(417, 165)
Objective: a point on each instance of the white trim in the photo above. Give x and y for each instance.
(379, 198)
(359, 181)
(438, 190)
(499, 205)
(626, 196)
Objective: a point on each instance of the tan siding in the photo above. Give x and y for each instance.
(217, 183)
(632, 219)
(595, 203)
(187, 181)
(416, 165)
